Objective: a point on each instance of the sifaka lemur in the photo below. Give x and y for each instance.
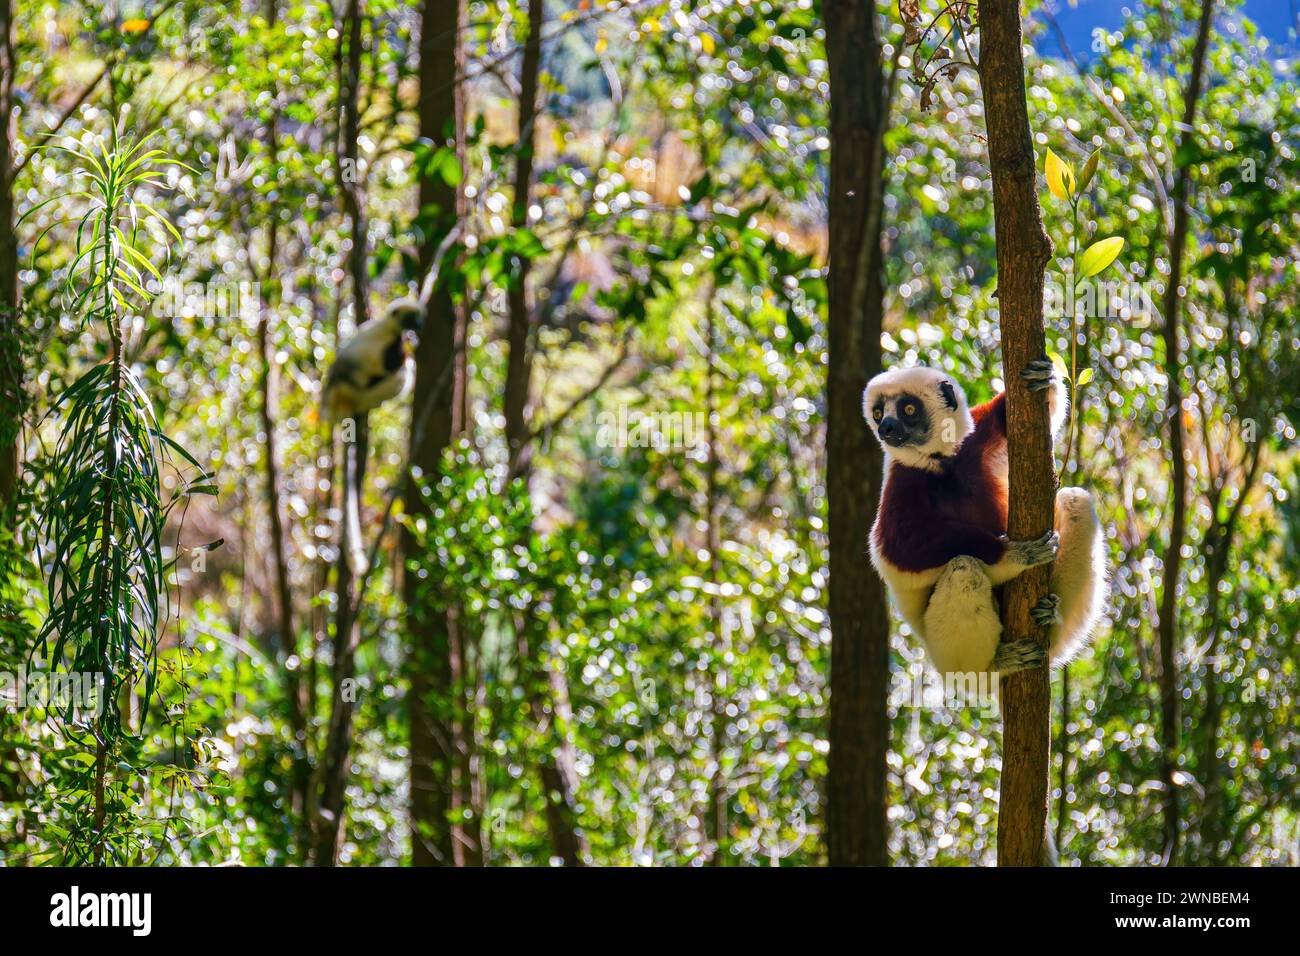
(370, 368)
(939, 540)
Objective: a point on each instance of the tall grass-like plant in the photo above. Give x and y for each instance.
(103, 521)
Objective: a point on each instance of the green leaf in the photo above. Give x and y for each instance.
(1084, 378)
(1089, 169)
(450, 169)
(1099, 255)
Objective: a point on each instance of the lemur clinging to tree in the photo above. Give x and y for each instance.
(939, 541)
(370, 368)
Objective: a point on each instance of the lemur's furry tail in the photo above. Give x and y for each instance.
(354, 470)
(356, 555)
(1050, 857)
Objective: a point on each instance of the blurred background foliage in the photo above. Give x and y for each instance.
(674, 593)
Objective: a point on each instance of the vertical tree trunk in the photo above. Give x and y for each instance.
(1168, 630)
(327, 817)
(715, 813)
(328, 814)
(558, 785)
(1218, 552)
(267, 384)
(12, 400)
(519, 364)
(859, 726)
(436, 658)
(354, 203)
(1023, 251)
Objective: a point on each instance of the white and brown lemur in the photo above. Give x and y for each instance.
(939, 541)
(370, 368)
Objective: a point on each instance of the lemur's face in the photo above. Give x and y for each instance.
(412, 320)
(918, 415)
(900, 420)
(409, 313)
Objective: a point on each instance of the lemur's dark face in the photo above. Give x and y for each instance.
(901, 420)
(412, 319)
(918, 414)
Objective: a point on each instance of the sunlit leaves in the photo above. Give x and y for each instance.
(1060, 177)
(1099, 255)
(1058, 364)
(104, 515)
(1089, 169)
(117, 235)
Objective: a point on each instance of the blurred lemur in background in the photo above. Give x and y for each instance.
(370, 368)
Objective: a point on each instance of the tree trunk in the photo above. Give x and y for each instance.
(440, 741)
(283, 592)
(859, 726)
(519, 364)
(1218, 552)
(558, 786)
(1023, 251)
(331, 789)
(332, 770)
(12, 401)
(1168, 629)
(354, 203)
(715, 814)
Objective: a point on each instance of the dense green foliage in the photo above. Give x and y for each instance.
(658, 582)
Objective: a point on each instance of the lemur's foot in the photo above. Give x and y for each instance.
(1042, 550)
(1012, 656)
(1039, 374)
(1047, 611)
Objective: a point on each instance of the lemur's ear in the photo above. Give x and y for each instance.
(949, 396)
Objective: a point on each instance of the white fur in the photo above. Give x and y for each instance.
(953, 611)
(1079, 576)
(361, 360)
(1058, 403)
(358, 561)
(962, 626)
(343, 400)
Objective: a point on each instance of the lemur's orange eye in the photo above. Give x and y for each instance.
(877, 414)
(909, 408)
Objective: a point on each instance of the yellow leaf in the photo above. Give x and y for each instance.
(707, 44)
(135, 25)
(1099, 255)
(602, 43)
(1059, 364)
(1060, 177)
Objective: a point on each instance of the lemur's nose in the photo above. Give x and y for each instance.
(891, 428)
